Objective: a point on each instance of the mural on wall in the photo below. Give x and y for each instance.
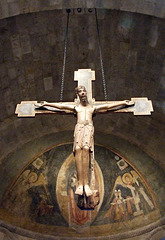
(43, 191)
(66, 197)
(129, 198)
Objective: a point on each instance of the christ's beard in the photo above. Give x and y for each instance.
(84, 100)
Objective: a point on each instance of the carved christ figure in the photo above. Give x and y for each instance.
(84, 132)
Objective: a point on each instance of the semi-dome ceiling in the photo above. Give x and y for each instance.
(31, 61)
(32, 48)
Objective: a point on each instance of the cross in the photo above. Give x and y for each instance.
(85, 107)
(142, 106)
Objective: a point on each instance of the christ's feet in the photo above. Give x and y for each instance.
(88, 191)
(79, 190)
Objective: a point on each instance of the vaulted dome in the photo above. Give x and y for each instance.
(37, 171)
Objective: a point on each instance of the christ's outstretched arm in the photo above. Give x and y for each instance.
(61, 106)
(112, 106)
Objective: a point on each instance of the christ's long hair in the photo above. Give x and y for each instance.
(79, 87)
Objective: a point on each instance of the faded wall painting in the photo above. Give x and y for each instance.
(43, 193)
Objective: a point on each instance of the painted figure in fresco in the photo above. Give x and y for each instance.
(133, 197)
(137, 191)
(83, 134)
(19, 199)
(117, 209)
(43, 207)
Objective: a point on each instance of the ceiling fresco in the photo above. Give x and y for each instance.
(42, 194)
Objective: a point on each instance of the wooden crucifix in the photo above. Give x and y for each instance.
(85, 107)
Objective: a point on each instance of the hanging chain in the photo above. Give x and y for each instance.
(64, 61)
(101, 59)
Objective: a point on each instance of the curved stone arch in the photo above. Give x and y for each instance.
(150, 232)
(17, 7)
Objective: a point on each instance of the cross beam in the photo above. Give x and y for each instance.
(142, 106)
(28, 109)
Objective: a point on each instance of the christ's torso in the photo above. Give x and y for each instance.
(84, 114)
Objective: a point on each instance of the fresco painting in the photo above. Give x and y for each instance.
(67, 199)
(43, 191)
(130, 199)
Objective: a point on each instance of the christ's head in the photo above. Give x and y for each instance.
(82, 93)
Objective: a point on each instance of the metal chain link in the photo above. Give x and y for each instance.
(101, 59)
(64, 61)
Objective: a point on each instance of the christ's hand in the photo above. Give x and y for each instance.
(40, 104)
(129, 103)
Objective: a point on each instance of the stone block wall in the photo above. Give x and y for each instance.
(10, 8)
(31, 60)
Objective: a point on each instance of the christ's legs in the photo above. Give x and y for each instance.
(79, 167)
(85, 165)
(82, 166)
